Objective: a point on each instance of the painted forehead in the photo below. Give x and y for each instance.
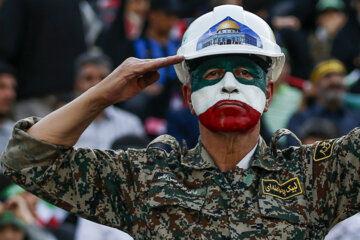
(228, 62)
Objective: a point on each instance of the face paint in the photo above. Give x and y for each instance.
(228, 93)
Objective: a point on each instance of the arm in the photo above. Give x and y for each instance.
(336, 179)
(100, 185)
(65, 125)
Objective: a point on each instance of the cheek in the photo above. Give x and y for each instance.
(206, 97)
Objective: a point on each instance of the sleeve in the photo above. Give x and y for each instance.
(336, 179)
(97, 185)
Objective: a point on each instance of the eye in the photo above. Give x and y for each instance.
(243, 73)
(213, 74)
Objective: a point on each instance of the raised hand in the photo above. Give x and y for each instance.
(65, 125)
(132, 76)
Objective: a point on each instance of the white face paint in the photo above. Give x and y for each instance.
(228, 89)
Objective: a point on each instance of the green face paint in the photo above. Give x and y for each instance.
(229, 63)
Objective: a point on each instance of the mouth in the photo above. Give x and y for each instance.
(230, 103)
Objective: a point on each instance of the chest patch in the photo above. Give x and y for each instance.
(286, 190)
(324, 150)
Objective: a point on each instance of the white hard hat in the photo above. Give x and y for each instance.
(229, 29)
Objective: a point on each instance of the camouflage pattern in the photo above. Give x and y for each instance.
(163, 192)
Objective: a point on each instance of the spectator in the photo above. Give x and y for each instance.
(287, 27)
(11, 227)
(135, 15)
(91, 68)
(156, 42)
(152, 104)
(45, 217)
(7, 99)
(331, 18)
(346, 47)
(20, 211)
(40, 39)
(328, 82)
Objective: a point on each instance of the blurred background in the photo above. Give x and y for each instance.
(51, 51)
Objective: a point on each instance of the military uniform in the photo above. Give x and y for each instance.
(163, 192)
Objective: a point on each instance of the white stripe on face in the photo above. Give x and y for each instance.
(228, 89)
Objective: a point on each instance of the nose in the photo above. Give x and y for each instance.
(229, 83)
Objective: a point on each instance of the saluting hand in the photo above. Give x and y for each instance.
(132, 76)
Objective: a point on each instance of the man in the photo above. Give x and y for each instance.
(331, 17)
(157, 42)
(11, 227)
(230, 186)
(328, 80)
(7, 99)
(41, 39)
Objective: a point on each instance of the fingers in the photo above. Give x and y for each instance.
(148, 78)
(155, 64)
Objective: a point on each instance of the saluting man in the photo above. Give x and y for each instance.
(230, 186)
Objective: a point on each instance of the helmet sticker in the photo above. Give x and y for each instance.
(229, 32)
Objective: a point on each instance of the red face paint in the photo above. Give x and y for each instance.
(230, 116)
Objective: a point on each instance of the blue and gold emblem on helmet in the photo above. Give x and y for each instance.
(229, 32)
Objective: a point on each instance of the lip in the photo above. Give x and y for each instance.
(231, 103)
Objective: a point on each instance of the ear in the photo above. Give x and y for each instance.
(186, 90)
(269, 94)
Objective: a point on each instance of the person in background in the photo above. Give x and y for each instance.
(112, 123)
(328, 84)
(7, 99)
(135, 14)
(330, 19)
(19, 209)
(348, 53)
(11, 227)
(152, 104)
(40, 39)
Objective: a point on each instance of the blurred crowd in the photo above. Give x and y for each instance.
(53, 51)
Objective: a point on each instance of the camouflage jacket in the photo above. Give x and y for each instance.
(163, 192)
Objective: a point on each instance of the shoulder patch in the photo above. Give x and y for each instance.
(323, 150)
(286, 190)
(165, 143)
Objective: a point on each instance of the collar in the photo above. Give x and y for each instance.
(198, 158)
(264, 158)
(245, 162)
(260, 156)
